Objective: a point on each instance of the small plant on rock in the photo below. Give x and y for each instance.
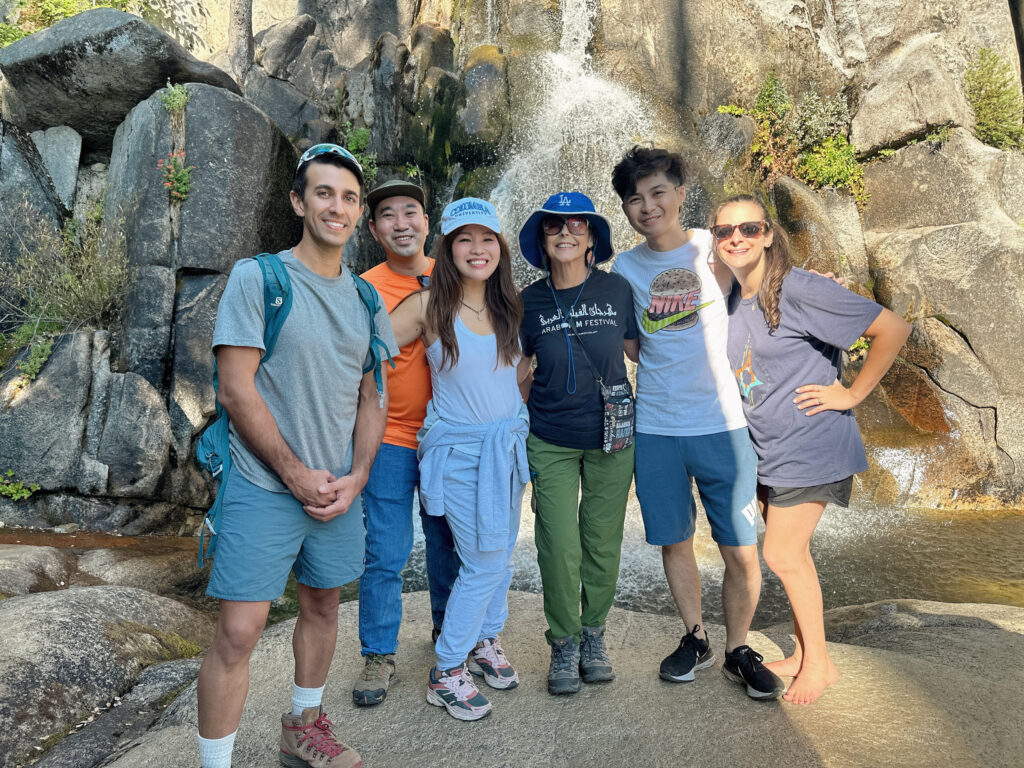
(357, 141)
(996, 100)
(773, 150)
(177, 176)
(174, 97)
(10, 33)
(816, 118)
(15, 489)
(37, 357)
(833, 162)
(56, 284)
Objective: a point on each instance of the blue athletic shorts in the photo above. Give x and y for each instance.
(725, 467)
(263, 535)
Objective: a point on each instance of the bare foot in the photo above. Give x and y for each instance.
(810, 683)
(787, 667)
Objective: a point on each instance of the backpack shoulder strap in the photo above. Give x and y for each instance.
(378, 351)
(277, 299)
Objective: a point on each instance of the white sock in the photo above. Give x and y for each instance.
(216, 753)
(304, 698)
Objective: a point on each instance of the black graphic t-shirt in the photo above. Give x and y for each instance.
(565, 410)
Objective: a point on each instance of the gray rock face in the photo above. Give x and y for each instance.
(30, 204)
(824, 230)
(60, 148)
(77, 648)
(920, 716)
(131, 517)
(42, 423)
(128, 721)
(129, 431)
(25, 569)
(136, 436)
(938, 239)
(90, 70)
(914, 58)
(351, 28)
(483, 120)
(156, 573)
(192, 400)
(907, 93)
(433, 47)
(148, 319)
(664, 48)
(238, 204)
(295, 78)
(91, 189)
(283, 103)
(294, 51)
(727, 139)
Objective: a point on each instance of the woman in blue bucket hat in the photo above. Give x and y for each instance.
(577, 321)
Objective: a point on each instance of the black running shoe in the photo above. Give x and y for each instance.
(743, 665)
(692, 654)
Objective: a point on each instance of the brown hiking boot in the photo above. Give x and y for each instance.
(372, 686)
(307, 741)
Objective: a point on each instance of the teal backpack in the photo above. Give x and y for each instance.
(212, 451)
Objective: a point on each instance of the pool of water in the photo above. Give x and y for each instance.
(863, 554)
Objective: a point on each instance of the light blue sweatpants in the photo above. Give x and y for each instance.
(478, 605)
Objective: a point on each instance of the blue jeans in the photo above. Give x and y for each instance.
(387, 514)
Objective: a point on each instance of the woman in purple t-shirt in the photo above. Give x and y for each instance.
(787, 331)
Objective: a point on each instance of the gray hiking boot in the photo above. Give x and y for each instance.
(563, 674)
(595, 666)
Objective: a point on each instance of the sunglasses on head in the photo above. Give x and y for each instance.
(552, 225)
(327, 149)
(747, 229)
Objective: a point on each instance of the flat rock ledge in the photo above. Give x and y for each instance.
(906, 697)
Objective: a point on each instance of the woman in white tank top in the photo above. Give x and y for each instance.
(472, 447)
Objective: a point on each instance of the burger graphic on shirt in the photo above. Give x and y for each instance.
(675, 299)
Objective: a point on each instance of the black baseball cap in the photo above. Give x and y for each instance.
(394, 188)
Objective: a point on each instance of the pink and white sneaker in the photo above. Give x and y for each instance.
(488, 659)
(455, 690)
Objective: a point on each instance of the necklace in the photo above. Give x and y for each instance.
(478, 312)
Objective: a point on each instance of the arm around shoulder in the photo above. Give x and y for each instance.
(408, 320)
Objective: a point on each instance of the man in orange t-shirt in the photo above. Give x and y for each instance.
(399, 224)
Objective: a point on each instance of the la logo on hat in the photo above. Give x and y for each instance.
(564, 201)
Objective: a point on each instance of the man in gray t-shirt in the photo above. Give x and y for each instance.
(305, 428)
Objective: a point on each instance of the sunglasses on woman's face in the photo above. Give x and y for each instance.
(552, 225)
(748, 229)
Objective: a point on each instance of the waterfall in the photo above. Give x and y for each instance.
(492, 22)
(576, 131)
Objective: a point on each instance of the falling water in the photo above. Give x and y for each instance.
(492, 22)
(579, 128)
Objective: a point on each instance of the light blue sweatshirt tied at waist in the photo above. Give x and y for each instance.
(502, 470)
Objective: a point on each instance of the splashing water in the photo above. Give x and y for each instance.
(579, 128)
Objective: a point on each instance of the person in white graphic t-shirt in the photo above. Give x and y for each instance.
(689, 418)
